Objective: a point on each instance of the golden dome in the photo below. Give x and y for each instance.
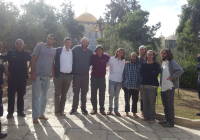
(86, 17)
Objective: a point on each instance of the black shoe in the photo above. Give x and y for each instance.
(72, 112)
(84, 112)
(3, 135)
(168, 125)
(103, 113)
(10, 116)
(117, 114)
(198, 114)
(21, 114)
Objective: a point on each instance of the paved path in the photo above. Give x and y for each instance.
(96, 127)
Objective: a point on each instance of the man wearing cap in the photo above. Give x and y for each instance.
(99, 61)
(81, 65)
(63, 75)
(17, 76)
(41, 71)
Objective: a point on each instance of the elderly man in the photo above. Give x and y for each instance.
(41, 71)
(81, 64)
(17, 77)
(63, 75)
(142, 60)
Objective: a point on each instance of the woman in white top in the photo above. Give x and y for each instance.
(116, 67)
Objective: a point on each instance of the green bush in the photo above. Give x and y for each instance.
(189, 77)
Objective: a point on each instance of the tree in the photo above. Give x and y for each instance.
(8, 20)
(38, 20)
(188, 31)
(134, 28)
(126, 26)
(117, 9)
(73, 28)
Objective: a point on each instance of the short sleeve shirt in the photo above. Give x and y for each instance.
(99, 65)
(45, 57)
(17, 64)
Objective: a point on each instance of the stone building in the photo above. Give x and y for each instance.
(91, 28)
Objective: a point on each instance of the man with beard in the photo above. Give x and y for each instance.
(80, 69)
(169, 80)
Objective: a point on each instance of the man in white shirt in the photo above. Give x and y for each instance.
(62, 75)
(171, 71)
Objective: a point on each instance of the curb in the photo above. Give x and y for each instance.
(182, 121)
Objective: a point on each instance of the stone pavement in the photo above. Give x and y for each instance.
(96, 127)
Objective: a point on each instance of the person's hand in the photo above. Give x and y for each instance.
(169, 78)
(40, 44)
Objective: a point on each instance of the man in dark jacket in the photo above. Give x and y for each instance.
(62, 75)
(81, 64)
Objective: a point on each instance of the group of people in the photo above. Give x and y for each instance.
(137, 76)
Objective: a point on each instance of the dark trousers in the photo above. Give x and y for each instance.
(80, 84)
(61, 84)
(1, 103)
(168, 104)
(18, 87)
(128, 93)
(149, 100)
(141, 101)
(98, 84)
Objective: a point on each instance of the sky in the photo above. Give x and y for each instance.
(164, 11)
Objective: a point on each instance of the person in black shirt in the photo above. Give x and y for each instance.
(17, 76)
(149, 74)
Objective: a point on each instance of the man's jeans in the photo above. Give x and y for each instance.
(39, 95)
(114, 89)
(168, 104)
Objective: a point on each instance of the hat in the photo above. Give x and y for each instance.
(99, 47)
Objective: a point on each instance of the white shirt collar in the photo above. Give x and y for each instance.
(64, 49)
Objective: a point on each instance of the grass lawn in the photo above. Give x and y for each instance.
(186, 104)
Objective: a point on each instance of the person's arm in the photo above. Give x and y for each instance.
(33, 67)
(53, 70)
(158, 71)
(54, 64)
(177, 70)
(124, 74)
(35, 55)
(6, 59)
